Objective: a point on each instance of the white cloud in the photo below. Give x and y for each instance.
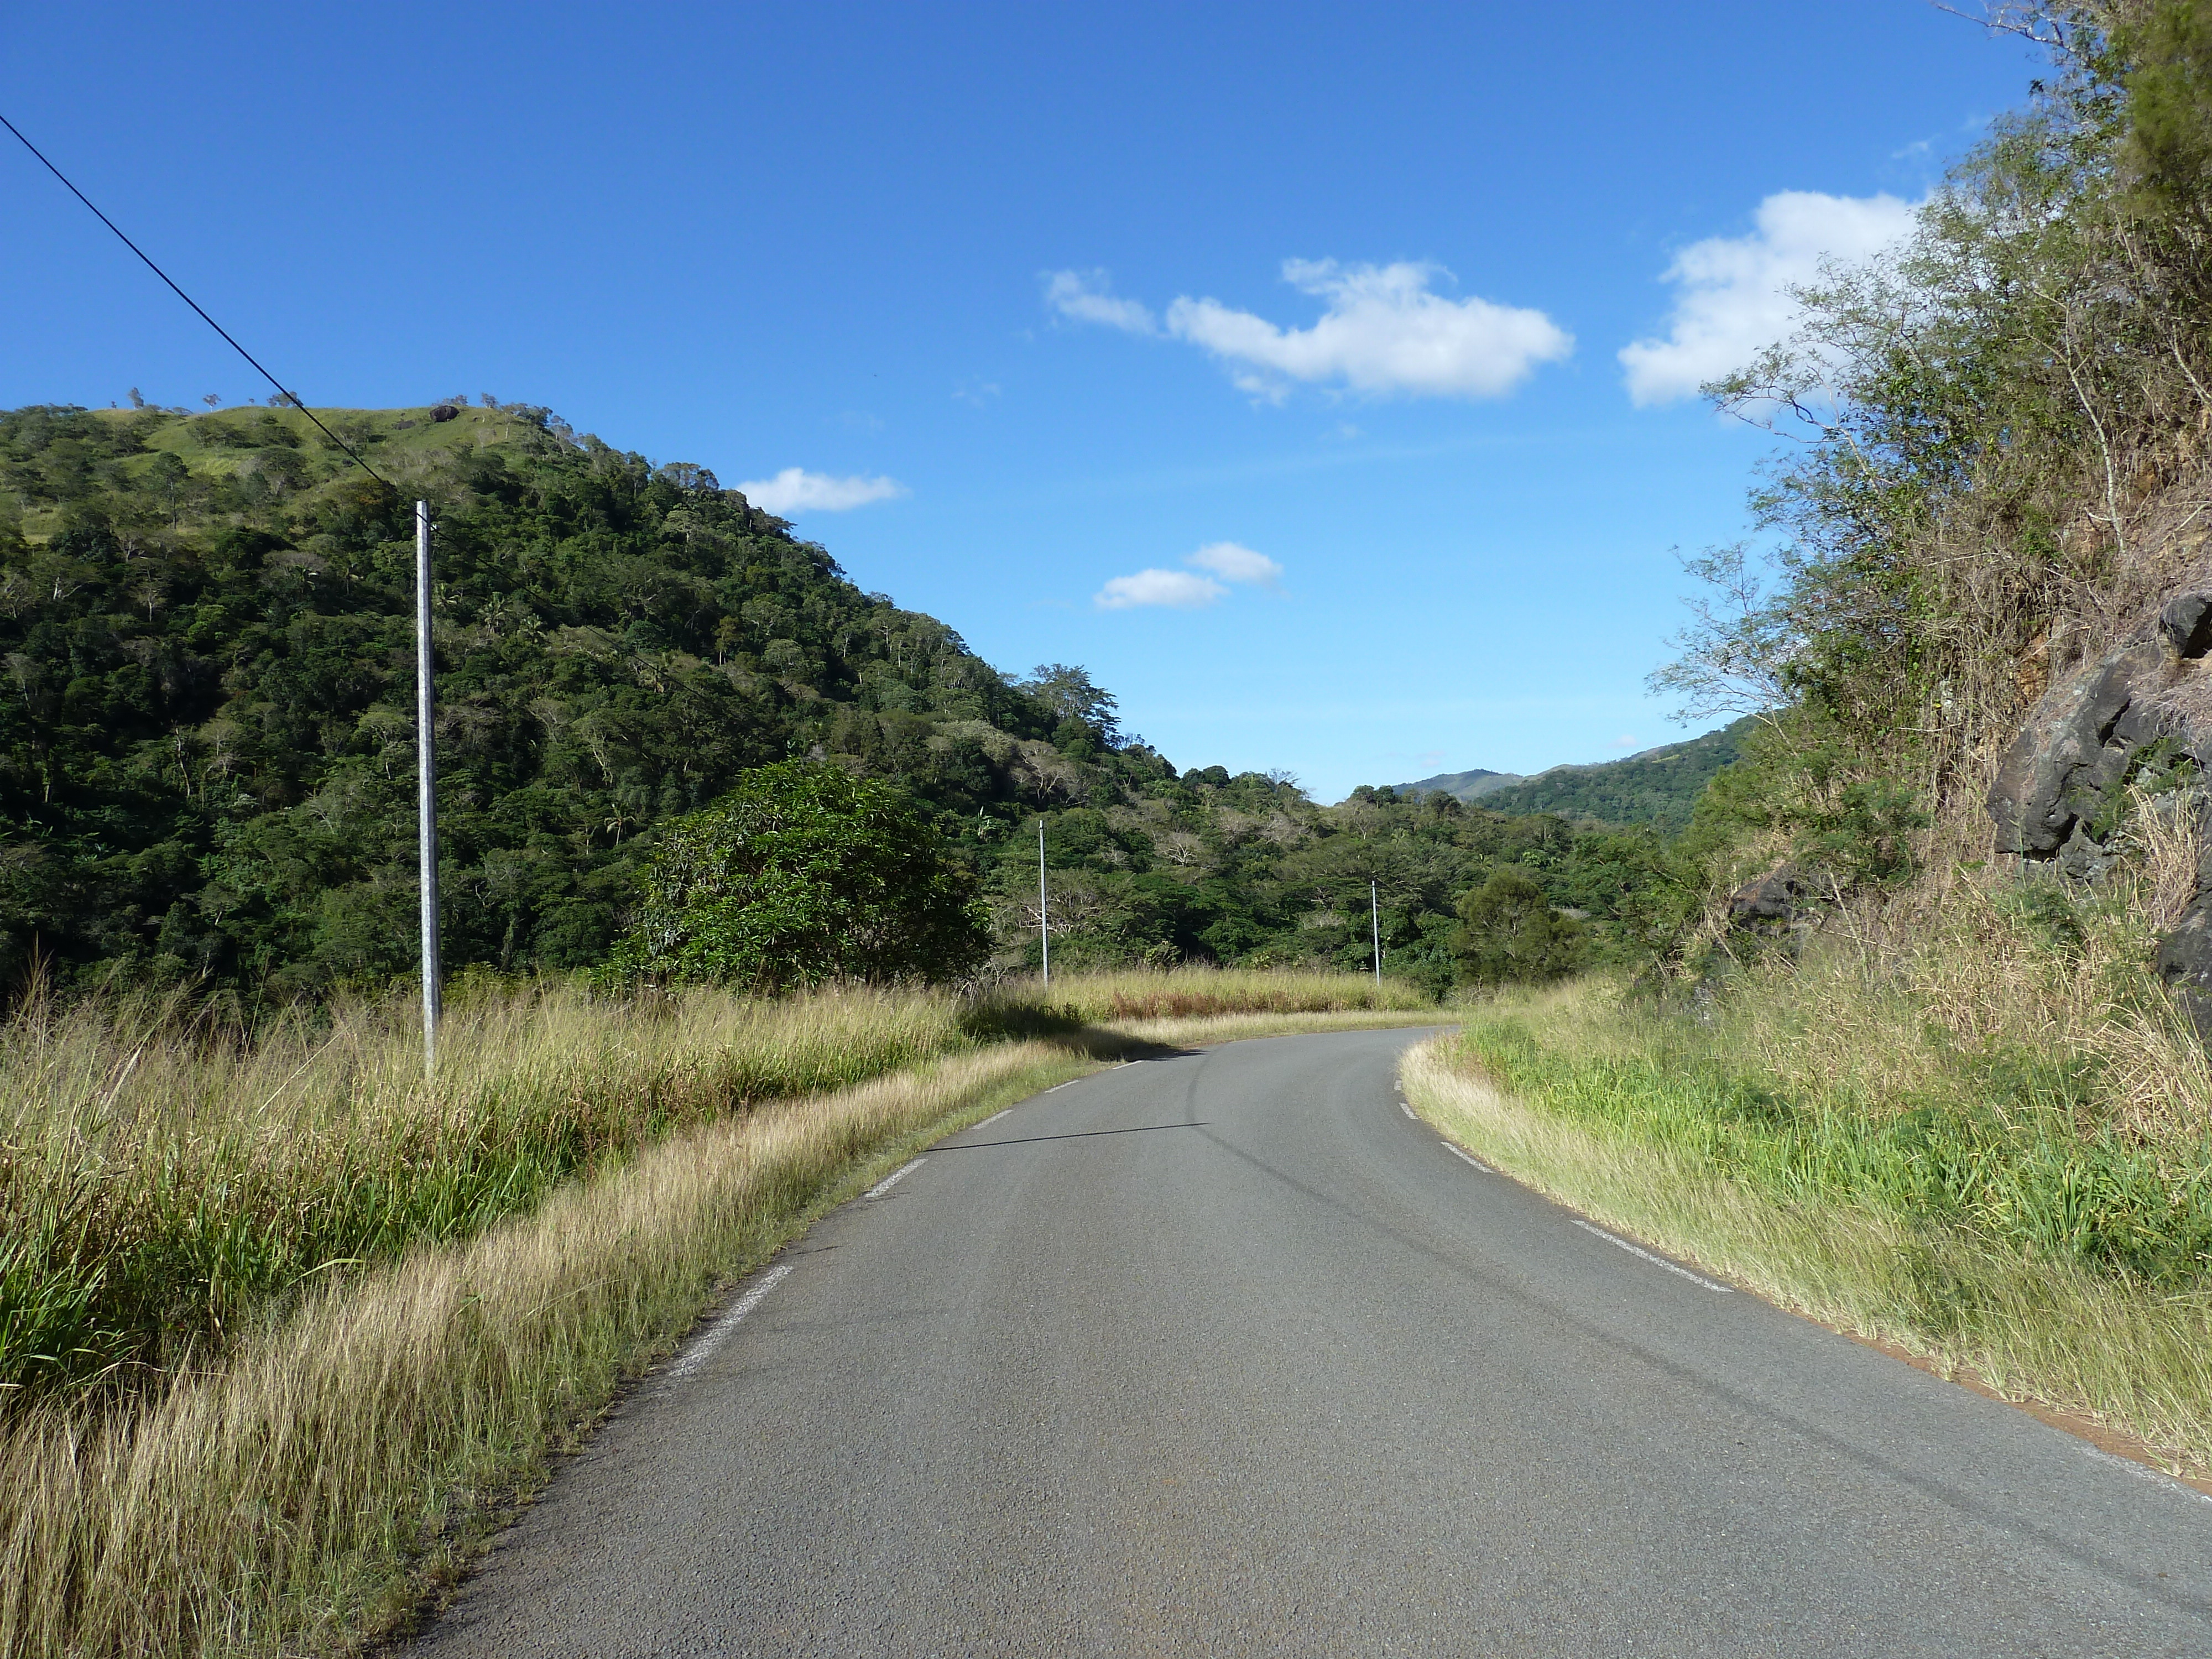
(1625, 740)
(794, 489)
(1234, 563)
(1383, 332)
(1182, 590)
(1733, 292)
(1086, 296)
(1179, 590)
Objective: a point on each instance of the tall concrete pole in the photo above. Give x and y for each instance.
(1374, 921)
(1044, 923)
(427, 773)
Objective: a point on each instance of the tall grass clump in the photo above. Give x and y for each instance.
(1140, 994)
(290, 1321)
(303, 1495)
(1977, 1126)
(162, 1184)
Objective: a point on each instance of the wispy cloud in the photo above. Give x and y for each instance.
(1086, 296)
(1734, 295)
(795, 490)
(1382, 331)
(1184, 590)
(1176, 590)
(1232, 563)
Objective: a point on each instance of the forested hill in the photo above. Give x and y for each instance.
(207, 750)
(1657, 786)
(207, 755)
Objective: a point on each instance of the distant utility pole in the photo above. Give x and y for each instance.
(1044, 925)
(1374, 921)
(427, 773)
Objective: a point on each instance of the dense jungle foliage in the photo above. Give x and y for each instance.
(207, 743)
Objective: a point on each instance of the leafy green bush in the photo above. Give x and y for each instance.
(1509, 933)
(801, 874)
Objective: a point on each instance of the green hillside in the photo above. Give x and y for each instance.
(1656, 787)
(1461, 786)
(207, 750)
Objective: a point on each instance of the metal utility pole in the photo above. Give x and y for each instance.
(1044, 925)
(1374, 921)
(427, 773)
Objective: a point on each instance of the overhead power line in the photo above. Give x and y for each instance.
(288, 396)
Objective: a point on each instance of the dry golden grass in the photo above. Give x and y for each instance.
(1877, 1014)
(1194, 993)
(301, 1486)
(161, 1186)
(265, 1505)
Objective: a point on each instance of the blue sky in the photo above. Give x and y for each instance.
(1267, 360)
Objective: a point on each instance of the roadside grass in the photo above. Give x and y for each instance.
(163, 1186)
(304, 1495)
(1188, 993)
(291, 1458)
(1986, 1138)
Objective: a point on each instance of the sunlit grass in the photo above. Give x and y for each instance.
(288, 1320)
(1987, 1137)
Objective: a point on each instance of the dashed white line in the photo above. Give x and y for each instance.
(1467, 1156)
(2141, 1472)
(1655, 1261)
(703, 1349)
(1057, 1087)
(994, 1117)
(1406, 1109)
(894, 1178)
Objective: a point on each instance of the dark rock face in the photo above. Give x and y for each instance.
(2071, 759)
(1777, 902)
(2184, 961)
(445, 412)
(2075, 750)
(2187, 623)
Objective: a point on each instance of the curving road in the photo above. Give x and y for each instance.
(1224, 1354)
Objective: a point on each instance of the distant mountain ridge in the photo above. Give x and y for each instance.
(1462, 786)
(1657, 786)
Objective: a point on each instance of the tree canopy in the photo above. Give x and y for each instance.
(804, 873)
(207, 739)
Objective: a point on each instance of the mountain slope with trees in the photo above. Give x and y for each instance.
(207, 743)
(1657, 786)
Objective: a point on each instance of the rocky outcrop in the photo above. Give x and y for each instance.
(2186, 624)
(2058, 793)
(1773, 902)
(1779, 908)
(2076, 748)
(2184, 961)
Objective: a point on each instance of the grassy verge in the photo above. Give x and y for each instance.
(1970, 1209)
(337, 1448)
(164, 1188)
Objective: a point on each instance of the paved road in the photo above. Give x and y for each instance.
(1224, 1354)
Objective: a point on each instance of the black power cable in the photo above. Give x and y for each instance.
(287, 396)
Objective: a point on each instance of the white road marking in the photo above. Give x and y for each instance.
(702, 1350)
(995, 1117)
(2141, 1472)
(1406, 1109)
(1457, 1153)
(1655, 1261)
(894, 1178)
(1057, 1087)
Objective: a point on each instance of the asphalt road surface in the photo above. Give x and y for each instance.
(1225, 1354)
